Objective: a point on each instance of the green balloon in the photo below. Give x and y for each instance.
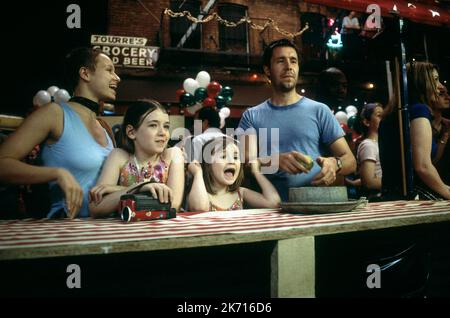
(187, 100)
(351, 121)
(221, 101)
(200, 94)
(227, 92)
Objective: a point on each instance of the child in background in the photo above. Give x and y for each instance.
(368, 156)
(142, 158)
(217, 180)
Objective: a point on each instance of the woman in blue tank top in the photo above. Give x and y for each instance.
(74, 143)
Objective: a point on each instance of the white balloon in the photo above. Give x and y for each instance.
(190, 85)
(203, 78)
(350, 114)
(351, 110)
(41, 98)
(341, 117)
(225, 111)
(52, 90)
(61, 96)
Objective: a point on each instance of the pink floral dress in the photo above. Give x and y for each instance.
(131, 173)
(237, 205)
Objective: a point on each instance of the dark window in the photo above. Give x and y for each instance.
(179, 26)
(233, 38)
(317, 27)
(314, 39)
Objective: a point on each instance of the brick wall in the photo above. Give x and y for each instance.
(130, 18)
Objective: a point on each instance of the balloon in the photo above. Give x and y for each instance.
(180, 92)
(203, 79)
(220, 101)
(213, 89)
(351, 110)
(355, 136)
(200, 94)
(61, 96)
(351, 121)
(41, 98)
(187, 100)
(341, 117)
(52, 90)
(227, 92)
(225, 111)
(344, 127)
(209, 102)
(190, 85)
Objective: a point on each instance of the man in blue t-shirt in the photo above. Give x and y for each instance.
(289, 127)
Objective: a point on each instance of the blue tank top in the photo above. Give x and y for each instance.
(79, 153)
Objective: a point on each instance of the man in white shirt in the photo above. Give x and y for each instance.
(349, 32)
(210, 127)
(350, 24)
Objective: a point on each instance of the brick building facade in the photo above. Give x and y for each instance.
(231, 67)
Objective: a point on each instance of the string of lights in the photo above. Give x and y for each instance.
(270, 22)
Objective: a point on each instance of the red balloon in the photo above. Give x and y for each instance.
(345, 127)
(213, 89)
(209, 102)
(355, 135)
(179, 93)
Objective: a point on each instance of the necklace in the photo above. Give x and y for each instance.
(86, 102)
(146, 171)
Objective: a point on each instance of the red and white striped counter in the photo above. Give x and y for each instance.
(32, 238)
(292, 259)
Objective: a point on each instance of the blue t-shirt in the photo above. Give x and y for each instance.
(77, 152)
(306, 126)
(422, 111)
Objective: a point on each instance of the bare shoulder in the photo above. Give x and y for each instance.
(43, 125)
(48, 114)
(243, 191)
(119, 155)
(172, 154)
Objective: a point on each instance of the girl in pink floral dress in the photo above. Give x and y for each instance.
(143, 157)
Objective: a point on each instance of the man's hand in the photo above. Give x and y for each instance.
(328, 173)
(72, 191)
(293, 162)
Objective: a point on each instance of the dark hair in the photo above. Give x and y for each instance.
(207, 167)
(76, 59)
(135, 116)
(422, 88)
(211, 115)
(366, 114)
(328, 78)
(268, 51)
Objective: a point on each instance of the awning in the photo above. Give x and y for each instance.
(420, 11)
